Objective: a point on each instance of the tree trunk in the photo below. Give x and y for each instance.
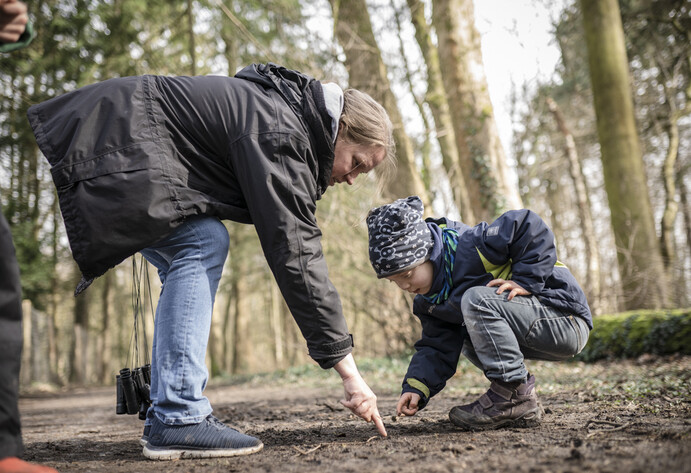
(104, 341)
(367, 72)
(277, 326)
(80, 341)
(439, 106)
(190, 30)
(592, 249)
(242, 348)
(671, 207)
(644, 280)
(423, 148)
(480, 150)
(686, 213)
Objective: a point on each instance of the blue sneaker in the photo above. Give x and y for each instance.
(208, 439)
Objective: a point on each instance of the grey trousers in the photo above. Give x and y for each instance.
(504, 333)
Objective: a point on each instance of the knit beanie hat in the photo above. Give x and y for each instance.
(398, 236)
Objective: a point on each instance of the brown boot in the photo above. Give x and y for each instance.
(505, 404)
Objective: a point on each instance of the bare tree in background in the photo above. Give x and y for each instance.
(592, 249)
(367, 72)
(644, 280)
(482, 155)
(439, 106)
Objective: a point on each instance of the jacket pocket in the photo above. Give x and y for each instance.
(113, 161)
(115, 204)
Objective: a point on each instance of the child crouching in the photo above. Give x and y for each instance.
(495, 293)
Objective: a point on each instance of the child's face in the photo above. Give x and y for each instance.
(417, 280)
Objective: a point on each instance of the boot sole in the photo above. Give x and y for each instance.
(531, 418)
(163, 453)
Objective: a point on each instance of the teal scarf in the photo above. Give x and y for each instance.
(450, 242)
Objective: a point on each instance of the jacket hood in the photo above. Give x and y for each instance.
(305, 97)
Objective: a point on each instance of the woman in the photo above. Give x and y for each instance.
(152, 163)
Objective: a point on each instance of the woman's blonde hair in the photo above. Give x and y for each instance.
(364, 121)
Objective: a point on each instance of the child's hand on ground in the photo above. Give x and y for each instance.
(516, 290)
(407, 404)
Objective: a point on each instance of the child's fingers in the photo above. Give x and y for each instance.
(401, 404)
(502, 283)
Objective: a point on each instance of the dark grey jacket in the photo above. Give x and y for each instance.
(133, 157)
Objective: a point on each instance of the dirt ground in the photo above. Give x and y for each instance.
(604, 417)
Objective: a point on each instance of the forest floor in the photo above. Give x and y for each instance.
(620, 416)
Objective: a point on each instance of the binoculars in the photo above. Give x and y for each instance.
(133, 391)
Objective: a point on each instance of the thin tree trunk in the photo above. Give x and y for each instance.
(671, 207)
(294, 342)
(592, 249)
(277, 326)
(439, 106)
(480, 150)
(227, 331)
(104, 340)
(686, 213)
(427, 168)
(80, 341)
(669, 173)
(241, 344)
(190, 29)
(644, 281)
(367, 72)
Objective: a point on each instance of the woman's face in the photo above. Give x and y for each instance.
(417, 280)
(352, 159)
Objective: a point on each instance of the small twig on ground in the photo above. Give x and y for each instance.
(372, 438)
(614, 426)
(332, 408)
(306, 452)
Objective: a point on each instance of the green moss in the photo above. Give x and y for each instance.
(634, 333)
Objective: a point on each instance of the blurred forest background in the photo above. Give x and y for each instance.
(600, 149)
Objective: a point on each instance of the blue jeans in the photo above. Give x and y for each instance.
(189, 262)
(503, 333)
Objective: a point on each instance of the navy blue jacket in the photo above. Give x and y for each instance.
(518, 246)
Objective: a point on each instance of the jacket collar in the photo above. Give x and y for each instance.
(436, 256)
(305, 97)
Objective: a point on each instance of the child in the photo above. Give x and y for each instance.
(495, 293)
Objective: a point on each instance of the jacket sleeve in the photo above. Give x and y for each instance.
(521, 239)
(435, 359)
(279, 188)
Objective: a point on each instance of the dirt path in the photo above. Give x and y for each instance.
(613, 424)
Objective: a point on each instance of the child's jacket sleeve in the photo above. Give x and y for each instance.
(521, 239)
(435, 359)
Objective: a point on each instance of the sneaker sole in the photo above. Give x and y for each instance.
(155, 453)
(532, 418)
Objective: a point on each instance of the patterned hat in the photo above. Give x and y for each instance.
(398, 236)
